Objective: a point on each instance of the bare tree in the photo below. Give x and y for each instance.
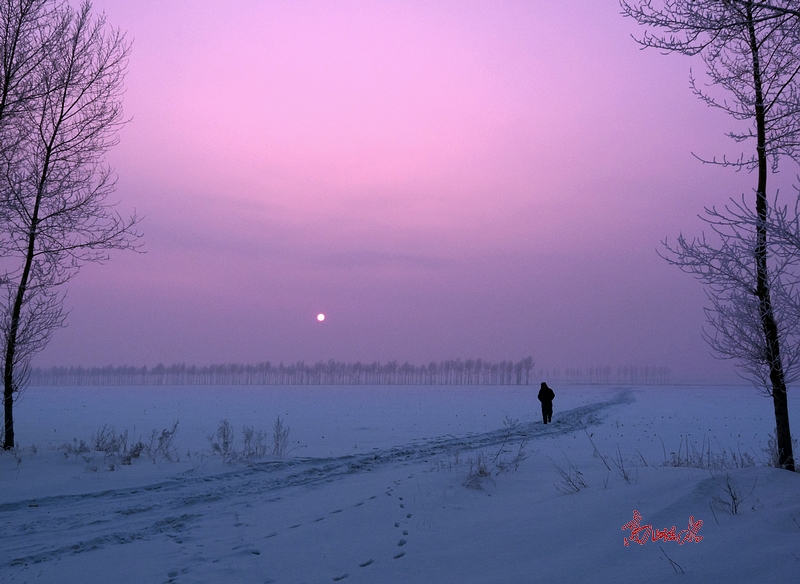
(751, 51)
(54, 185)
(25, 37)
(725, 264)
(771, 9)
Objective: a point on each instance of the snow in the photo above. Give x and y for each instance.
(372, 488)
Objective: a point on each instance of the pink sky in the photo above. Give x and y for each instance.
(445, 179)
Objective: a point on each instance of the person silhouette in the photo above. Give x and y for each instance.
(546, 396)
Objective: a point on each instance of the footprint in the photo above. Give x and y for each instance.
(405, 532)
(401, 543)
(367, 563)
(339, 510)
(318, 520)
(295, 526)
(273, 534)
(342, 577)
(397, 524)
(408, 515)
(400, 555)
(402, 506)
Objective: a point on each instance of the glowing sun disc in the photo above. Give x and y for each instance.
(320, 317)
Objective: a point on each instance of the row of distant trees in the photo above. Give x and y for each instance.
(451, 372)
(624, 375)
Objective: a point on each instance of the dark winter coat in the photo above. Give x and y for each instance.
(546, 395)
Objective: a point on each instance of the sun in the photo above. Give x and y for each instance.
(320, 317)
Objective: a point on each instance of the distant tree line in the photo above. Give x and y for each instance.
(623, 375)
(451, 372)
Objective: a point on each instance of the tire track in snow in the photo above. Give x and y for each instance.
(81, 523)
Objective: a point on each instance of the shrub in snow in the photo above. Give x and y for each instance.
(280, 438)
(624, 472)
(499, 461)
(772, 453)
(481, 466)
(596, 451)
(254, 442)
(521, 454)
(478, 472)
(161, 446)
(734, 496)
(674, 564)
(115, 447)
(224, 445)
(572, 480)
(134, 452)
(705, 457)
(74, 449)
(106, 439)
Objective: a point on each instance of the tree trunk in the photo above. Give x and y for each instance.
(11, 341)
(768, 324)
(13, 332)
(8, 417)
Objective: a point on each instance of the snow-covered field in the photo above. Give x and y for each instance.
(373, 487)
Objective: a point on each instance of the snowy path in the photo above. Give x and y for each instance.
(52, 528)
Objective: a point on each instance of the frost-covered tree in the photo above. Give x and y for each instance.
(62, 77)
(751, 52)
(772, 9)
